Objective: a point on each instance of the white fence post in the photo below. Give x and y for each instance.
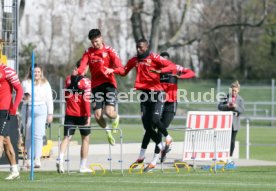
(61, 104)
(272, 96)
(218, 85)
(247, 140)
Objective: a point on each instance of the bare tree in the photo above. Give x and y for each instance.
(232, 17)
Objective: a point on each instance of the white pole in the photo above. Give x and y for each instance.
(62, 101)
(218, 85)
(272, 97)
(247, 140)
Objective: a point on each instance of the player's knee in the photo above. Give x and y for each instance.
(85, 138)
(97, 115)
(155, 119)
(110, 111)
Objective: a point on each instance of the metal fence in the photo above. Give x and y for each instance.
(259, 107)
(9, 31)
(259, 110)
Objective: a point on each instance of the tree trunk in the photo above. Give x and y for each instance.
(21, 9)
(136, 21)
(154, 36)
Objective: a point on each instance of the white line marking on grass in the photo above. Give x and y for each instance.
(202, 182)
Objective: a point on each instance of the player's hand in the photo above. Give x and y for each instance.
(49, 118)
(175, 75)
(26, 97)
(88, 121)
(155, 71)
(108, 71)
(231, 105)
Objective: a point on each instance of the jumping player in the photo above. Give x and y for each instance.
(152, 91)
(97, 57)
(168, 79)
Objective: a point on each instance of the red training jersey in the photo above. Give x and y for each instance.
(9, 81)
(97, 60)
(145, 79)
(78, 105)
(170, 83)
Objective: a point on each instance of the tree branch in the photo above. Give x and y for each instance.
(217, 27)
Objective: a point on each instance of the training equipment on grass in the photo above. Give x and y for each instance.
(178, 165)
(93, 128)
(208, 136)
(136, 165)
(93, 165)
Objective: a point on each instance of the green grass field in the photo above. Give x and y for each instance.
(241, 179)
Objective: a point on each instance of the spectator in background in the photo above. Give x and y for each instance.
(168, 79)
(8, 82)
(77, 97)
(104, 87)
(233, 102)
(43, 111)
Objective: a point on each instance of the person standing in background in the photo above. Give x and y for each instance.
(8, 82)
(43, 111)
(233, 102)
(77, 97)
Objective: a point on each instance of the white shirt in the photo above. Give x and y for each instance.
(42, 94)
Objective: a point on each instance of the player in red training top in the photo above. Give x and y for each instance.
(8, 82)
(168, 79)
(103, 86)
(152, 91)
(77, 97)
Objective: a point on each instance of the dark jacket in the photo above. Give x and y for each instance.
(222, 106)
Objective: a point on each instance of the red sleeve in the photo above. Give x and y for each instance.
(115, 59)
(170, 68)
(84, 63)
(124, 71)
(189, 74)
(13, 80)
(185, 72)
(17, 100)
(166, 65)
(86, 83)
(67, 81)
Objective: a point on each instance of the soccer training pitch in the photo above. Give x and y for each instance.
(240, 179)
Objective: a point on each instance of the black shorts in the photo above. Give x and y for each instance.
(73, 120)
(104, 94)
(4, 129)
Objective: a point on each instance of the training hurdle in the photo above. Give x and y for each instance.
(92, 128)
(207, 137)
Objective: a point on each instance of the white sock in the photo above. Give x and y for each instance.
(155, 158)
(229, 160)
(142, 153)
(168, 137)
(83, 162)
(61, 157)
(107, 129)
(160, 146)
(14, 168)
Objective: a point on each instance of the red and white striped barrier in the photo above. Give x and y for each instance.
(208, 135)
